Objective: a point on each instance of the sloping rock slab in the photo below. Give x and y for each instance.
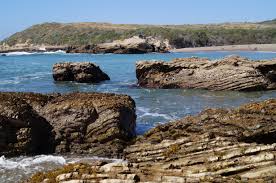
(231, 73)
(93, 123)
(217, 144)
(82, 72)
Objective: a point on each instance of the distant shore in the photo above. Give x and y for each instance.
(249, 47)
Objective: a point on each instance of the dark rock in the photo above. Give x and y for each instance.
(230, 73)
(92, 123)
(22, 130)
(83, 72)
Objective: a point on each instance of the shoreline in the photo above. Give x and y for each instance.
(247, 47)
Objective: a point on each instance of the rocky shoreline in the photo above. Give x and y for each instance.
(133, 45)
(217, 145)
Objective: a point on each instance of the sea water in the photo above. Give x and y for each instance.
(27, 72)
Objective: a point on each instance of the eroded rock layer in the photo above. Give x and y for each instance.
(82, 72)
(218, 145)
(133, 45)
(94, 123)
(231, 73)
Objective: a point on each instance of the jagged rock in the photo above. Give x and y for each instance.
(83, 72)
(22, 130)
(99, 124)
(230, 73)
(93, 123)
(133, 45)
(218, 145)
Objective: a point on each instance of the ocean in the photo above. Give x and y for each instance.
(32, 72)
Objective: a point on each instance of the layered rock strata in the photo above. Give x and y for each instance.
(230, 73)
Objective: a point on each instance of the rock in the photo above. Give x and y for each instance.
(236, 145)
(22, 130)
(92, 123)
(133, 45)
(230, 73)
(83, 72)
(223, 145)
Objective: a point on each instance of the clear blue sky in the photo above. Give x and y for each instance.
(16, 15)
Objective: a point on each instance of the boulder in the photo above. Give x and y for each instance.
(217, 145)
(91, 123)
(133, 45)
(230, 73)
(82, 72)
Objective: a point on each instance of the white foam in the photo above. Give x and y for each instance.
(146, 112)
(30, 161)
(33, 53)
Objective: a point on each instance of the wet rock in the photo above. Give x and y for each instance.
(230, 73)
(133, 45)
(83, 72)
(92, 123)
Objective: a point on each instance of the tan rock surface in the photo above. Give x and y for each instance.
(230, 73)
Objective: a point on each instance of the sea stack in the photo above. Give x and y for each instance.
(230, 73)
(82, 72)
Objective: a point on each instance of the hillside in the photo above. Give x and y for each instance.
(179, 36)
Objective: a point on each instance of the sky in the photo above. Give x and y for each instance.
(17, 15)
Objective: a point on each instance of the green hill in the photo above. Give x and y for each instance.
(269, 22)
(180, 36)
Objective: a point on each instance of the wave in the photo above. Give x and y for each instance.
(32, 53)
(146, 112)
(30, 161)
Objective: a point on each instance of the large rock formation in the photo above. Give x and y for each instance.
(133, 45)
(218, 145)
(230, 73)
(83, 72)
(93, 123)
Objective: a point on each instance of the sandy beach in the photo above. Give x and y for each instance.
(249, 47)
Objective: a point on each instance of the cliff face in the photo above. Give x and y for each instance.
(179, 36)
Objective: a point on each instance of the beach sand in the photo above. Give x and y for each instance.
(249, 47)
